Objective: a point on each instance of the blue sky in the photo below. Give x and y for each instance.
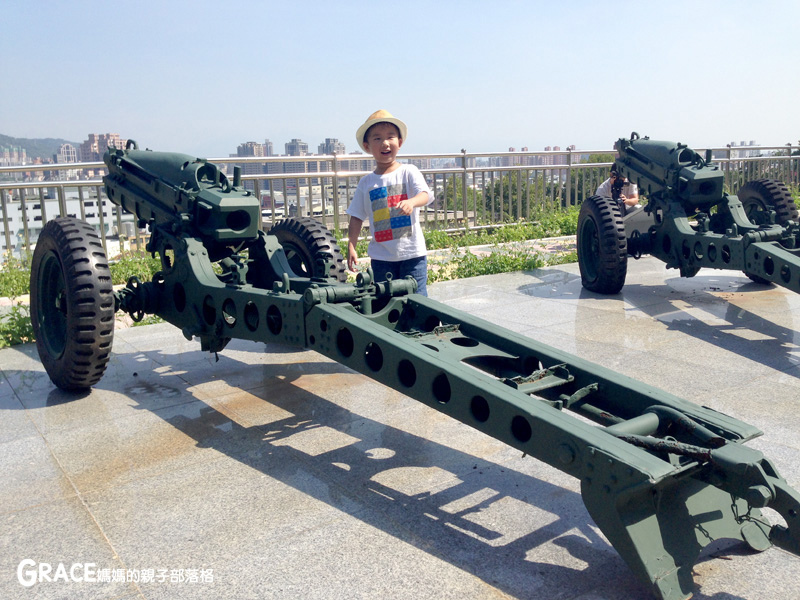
(201, 77)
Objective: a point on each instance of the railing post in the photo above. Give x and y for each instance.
(101, 208)
(42, 206)
(464, 200)
(24, 209)
(62, 202)
(335, 192)
(568, 192)
(81, 203)
(502, 199)
(730, 172)
(257, 192)
(6, 228)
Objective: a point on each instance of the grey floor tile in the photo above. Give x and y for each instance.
(287, 475)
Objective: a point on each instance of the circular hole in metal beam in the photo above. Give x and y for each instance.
(521, 429)
(345, 343)
(441, 388)
(479, 408)
(251, 318)
(229, 312)
(274, 319)
(373, 356)
(406, 373)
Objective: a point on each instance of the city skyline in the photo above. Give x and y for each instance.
(92, 149)
(460, 74)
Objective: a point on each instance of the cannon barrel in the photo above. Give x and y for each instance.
(184, 193)
(659, 167)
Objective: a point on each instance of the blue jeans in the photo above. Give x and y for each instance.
(416, 267)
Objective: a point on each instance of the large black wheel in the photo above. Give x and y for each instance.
(760, 196)
(602, 248)
(72, 303)
(310, 248)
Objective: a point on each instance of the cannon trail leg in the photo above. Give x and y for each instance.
(659, 531)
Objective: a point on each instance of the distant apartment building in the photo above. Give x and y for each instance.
(11, 156)
(250, 149)
(555, 159)
(423, 163)
(358, 164)
(507, 161)
(296, 148)
(298, 162)
(526, 160)
(67, 153)
(96, 144)
(751, 151)
(331, 146)
(250, 168)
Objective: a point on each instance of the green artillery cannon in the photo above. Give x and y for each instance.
(660, 476)
(689, 222)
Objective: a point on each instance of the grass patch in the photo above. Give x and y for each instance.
(462, 263)
(551, 224)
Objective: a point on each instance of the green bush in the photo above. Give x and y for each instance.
(15, 326)
(462, 263)
(14, 277)
(436, 239)
(543, 225)
(130, 265)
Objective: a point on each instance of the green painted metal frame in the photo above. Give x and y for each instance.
(661, 476)
(694, 224)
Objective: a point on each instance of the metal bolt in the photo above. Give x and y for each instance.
(758, 496)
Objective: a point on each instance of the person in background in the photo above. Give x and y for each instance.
(619, 189)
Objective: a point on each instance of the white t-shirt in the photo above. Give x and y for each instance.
(395, 236)
(604, 190)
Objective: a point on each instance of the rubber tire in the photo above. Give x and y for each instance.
(303, 239)
(72, 303)
(602, 247)
(767, 194)
(760, 195)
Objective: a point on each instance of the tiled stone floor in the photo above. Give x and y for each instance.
(276, 473)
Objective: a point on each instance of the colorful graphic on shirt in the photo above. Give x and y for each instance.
(388, 221)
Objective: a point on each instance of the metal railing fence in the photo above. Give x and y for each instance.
(472, 189)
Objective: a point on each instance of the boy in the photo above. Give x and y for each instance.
(390, 197)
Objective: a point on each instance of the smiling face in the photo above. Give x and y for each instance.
(383, 142)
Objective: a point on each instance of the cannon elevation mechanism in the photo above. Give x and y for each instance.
(689, 222)
(661, 477)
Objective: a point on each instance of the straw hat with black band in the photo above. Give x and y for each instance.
(380, 116)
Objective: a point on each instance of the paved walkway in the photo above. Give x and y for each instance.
(276, 473)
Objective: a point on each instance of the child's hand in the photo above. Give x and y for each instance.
(406, 207)
(352, 259)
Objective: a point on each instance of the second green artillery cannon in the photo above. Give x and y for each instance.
(661, 476)
(689, 222)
